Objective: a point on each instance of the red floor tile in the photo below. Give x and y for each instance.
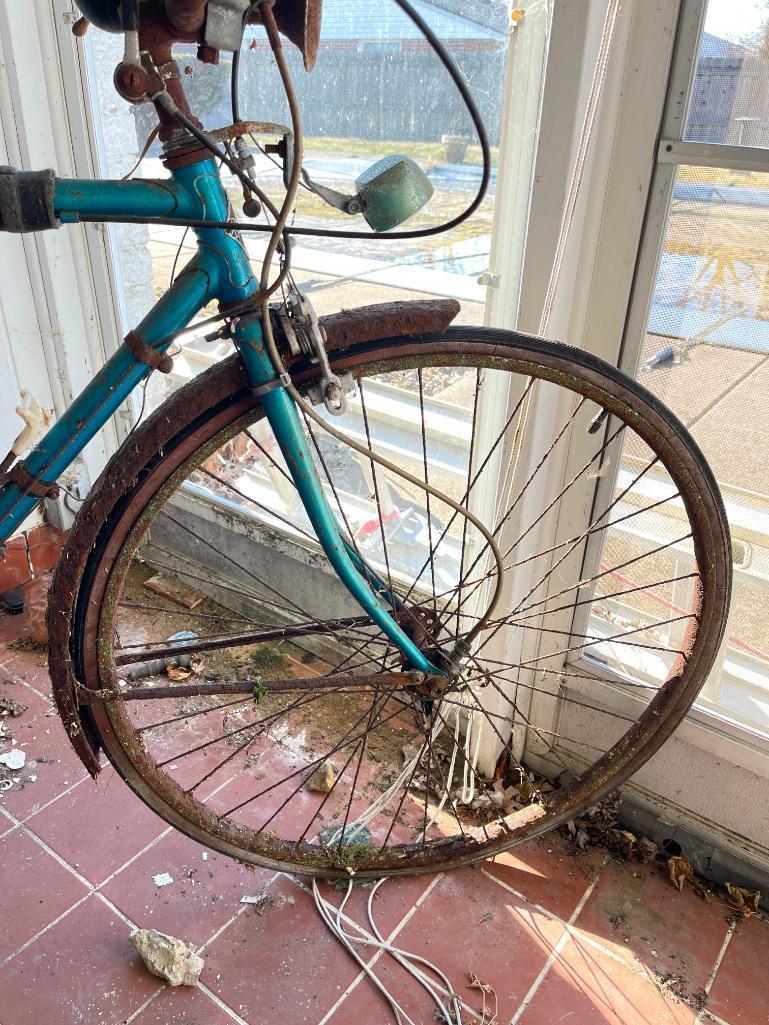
(470, 923)
(11, 628)
(282, 965)
(50, 757)
(636, 913)
(585, 987)
(740, 993)
(180, 1005)
(83, 970)
(35, 889)
(99, 826)
(12, 687)
(203, 895)
(548, 872)
(366, 1004)
(29, 666)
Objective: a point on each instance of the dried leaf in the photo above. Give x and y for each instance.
(680, 869)
(475, 983)
(485, 988)
(178, 673)
(746, 901)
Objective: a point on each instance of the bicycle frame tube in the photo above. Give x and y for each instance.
(220, 270)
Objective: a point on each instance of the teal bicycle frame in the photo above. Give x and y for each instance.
(220, 271)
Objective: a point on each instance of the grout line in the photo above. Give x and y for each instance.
(586, 938)
(417, 905)
(712, 977)
(56, 856)
(238, 913)
(221, 1004)
(42, 932)
(565, 937)
(150, 1000)
(353, 985)
(721, 954)
(522, 896)
(15, 678)
(115, 909)
(53, 800)
(133, 857)
(11, 818)
(11, 829)
(709, 1016)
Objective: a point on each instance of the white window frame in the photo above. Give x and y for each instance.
(625, 201)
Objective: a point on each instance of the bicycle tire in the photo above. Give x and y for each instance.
(199, 419)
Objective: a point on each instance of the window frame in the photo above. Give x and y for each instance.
(705, 728)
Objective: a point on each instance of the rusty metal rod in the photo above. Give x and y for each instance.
(125, 656)
(351, 684)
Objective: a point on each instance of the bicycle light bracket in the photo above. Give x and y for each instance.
(306, 337)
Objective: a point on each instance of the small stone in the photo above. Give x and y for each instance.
(167, 957)
(323, 779)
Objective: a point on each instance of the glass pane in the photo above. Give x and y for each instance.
(706, 355)
(377, 89)
(730, 94)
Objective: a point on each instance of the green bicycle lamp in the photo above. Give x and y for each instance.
(387, 193)
(391, 191)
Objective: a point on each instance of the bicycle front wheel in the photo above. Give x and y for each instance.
(292, 735)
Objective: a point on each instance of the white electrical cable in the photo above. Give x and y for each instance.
(332, 916)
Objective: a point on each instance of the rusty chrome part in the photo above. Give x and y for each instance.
(144, 353)
(181, 149)
(26, 483)
(106, 520)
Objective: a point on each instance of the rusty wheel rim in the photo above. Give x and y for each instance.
(657, 722)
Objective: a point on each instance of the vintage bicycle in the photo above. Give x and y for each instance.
(413, 545)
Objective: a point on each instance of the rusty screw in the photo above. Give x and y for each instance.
(130, 81)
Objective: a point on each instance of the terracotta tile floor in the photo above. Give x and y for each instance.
(563, 940)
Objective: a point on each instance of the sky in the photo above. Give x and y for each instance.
(735, 19)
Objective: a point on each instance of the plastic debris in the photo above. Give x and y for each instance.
(167, 957)
(162, 879)
(155, 666)
(258, 898)
(13, 759)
